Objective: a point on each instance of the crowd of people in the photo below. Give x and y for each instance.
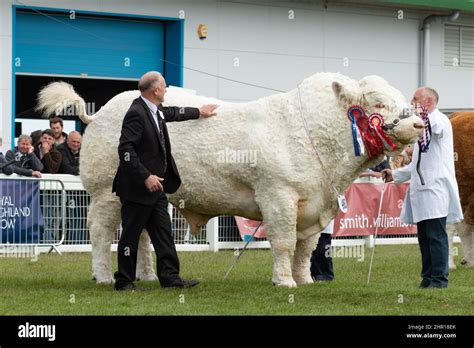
(49, 151)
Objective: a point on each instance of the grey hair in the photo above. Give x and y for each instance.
(25, 136)
(148, 80)
(431, 92)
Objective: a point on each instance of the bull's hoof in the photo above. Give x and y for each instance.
(452, 267)
(287, 283)
(303, 280)
(147, 277)
(104, 280)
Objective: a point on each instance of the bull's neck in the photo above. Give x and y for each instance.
(330, 132)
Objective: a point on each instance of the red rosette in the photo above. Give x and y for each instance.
(376, 121)
(355, 112)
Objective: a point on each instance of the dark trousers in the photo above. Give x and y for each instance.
(321, 260)
(158, 223)
(434, 249)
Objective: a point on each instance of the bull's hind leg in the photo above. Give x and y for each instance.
(102, 220)
(466, 233)
(145, 269)
(279, 215)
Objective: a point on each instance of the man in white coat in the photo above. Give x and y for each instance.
(433, 198)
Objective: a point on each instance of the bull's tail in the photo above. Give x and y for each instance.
(56, 97)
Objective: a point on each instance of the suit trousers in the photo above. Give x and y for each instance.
(156, 220)
(321, 260)
(434, 248)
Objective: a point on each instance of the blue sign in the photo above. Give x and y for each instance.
(21, 219)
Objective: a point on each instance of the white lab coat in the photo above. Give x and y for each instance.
(329, 229)
(439, 196)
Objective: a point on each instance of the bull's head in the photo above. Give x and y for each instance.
(400, 124)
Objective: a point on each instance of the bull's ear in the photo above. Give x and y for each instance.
(344, 95)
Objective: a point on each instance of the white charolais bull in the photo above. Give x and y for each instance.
(285, 186)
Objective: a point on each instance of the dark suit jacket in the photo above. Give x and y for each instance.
(69, 161)
(141, 154)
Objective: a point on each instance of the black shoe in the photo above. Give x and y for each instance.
(424, 284)
(129, 287)
(431, 286)
(181, 283)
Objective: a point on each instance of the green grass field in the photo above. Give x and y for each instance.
(62, 285)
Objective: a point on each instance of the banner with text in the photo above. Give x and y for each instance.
(247, 228)
(363, 200)
(21, 219)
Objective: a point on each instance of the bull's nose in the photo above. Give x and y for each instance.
(419, 125)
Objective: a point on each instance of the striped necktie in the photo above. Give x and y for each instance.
(425, 138)
(161, 137)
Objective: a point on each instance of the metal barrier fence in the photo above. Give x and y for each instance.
(32, 212)
(64, 204)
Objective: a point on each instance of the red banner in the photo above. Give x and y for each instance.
(363, 200)
(247, 228)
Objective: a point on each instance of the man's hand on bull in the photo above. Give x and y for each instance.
(153, 183)
(387, 175)
(208, 110)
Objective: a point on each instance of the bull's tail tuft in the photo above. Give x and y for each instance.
(56, 97)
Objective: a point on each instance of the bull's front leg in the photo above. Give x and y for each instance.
(279, 215)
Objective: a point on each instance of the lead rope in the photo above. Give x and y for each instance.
(331, 184)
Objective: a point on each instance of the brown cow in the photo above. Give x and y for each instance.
(463, 138)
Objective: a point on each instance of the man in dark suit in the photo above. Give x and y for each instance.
(147, 170)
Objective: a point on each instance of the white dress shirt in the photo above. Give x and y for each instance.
(154, 110)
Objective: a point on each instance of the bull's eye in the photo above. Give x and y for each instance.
(396, 121)
(380, 105)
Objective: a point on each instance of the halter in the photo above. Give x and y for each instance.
(369, 132)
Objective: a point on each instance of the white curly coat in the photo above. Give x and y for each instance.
(286, 188)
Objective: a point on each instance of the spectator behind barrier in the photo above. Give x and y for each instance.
(397, 161)
(408, 154)
(36, 137)
(57, 126)
(25, 161)
(70, 151)
(3, 166)
(403, 159)
(47, 153)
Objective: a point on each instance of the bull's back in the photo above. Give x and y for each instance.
(218, 159)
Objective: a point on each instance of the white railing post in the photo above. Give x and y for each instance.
(212, 234)
(369, 241)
